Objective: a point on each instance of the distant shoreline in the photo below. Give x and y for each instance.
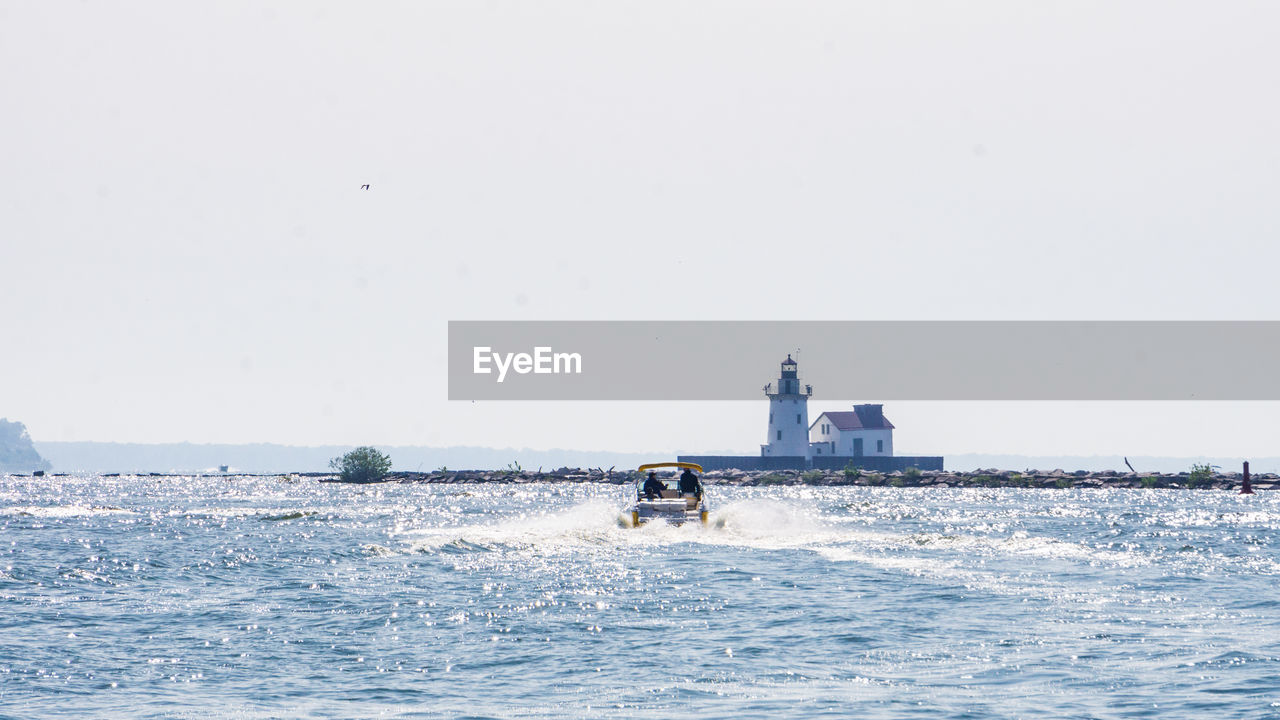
(1047, 479)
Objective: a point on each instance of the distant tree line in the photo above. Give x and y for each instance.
(17, 454)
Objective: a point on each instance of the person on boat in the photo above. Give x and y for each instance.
(653, 487)
(689, 484)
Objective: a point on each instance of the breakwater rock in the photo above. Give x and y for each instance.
(751, 478)
(909, 478)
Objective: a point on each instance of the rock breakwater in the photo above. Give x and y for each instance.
(746, 478)
(910, 478)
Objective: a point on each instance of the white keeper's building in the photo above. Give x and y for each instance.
(861, 433)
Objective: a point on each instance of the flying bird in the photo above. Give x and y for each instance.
(365, 186)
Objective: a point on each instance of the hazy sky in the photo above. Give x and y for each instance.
(187, 253)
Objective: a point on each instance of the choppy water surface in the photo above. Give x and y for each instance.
(259, 597)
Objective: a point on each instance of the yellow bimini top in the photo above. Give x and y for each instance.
(689, 466)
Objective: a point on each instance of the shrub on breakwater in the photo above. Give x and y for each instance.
(364, 464)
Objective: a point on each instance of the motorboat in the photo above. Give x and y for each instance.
(669, 505)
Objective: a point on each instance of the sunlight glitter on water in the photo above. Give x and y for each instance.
(261, 598)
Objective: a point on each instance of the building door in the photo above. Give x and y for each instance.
(857, 447)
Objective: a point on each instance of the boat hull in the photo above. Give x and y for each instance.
(673, 511)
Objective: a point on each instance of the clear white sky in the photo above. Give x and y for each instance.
(187, 255)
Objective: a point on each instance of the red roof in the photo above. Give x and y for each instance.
(858, 421)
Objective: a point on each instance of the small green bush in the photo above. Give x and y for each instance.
(1150, 482)
(364, 464)
(852, 471)
(897, 482)
(813, 475)
(1062, 483)
(912, 473)
(1200, 475)
(772, 479)
(874, 479)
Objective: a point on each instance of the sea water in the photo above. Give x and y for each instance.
(266, 597)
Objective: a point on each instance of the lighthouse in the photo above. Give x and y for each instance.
(861, 437)
(788, 414)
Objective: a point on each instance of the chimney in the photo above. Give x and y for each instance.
(871, 416)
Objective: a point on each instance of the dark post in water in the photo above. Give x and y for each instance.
(1245, 487)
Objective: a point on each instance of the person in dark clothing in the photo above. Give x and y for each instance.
(653, 487)
(689, 484)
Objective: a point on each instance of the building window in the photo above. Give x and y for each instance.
(770, 418)
(797, 418)
(879, 446)
(857, 447)
(779, 434)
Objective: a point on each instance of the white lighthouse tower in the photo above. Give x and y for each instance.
(788, 415)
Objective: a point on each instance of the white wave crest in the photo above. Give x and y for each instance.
(591, 523)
